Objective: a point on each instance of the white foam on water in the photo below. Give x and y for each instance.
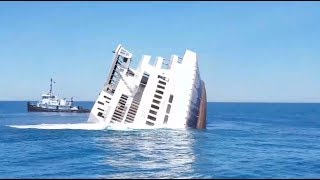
(118, 128)
(81, 126)
(87, 126)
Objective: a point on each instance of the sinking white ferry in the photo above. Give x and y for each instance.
(168, 94)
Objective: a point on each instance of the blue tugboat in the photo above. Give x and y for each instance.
(51, 103)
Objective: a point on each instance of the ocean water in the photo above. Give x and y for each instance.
(242, 140)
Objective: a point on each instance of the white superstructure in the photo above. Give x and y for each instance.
(168, 94)
(51, 102)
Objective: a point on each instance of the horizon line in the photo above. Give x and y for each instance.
(207, 101)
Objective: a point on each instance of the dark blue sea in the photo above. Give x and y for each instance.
(242, 140)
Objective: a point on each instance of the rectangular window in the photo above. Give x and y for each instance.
(157, 96)
(146, 74)
(160, 92)
(161, 87)
(117, 113)
(107, 97)
(163, 83)
(100, 114)
(154, 106)
(151, 118)
(168, 108)
(161, 77)
(124, 96)
(149, 123)
(153, 112)
(156, 101)
(166, 117)
(170, 98)
(99, 102)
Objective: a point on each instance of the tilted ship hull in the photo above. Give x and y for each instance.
(168, 94)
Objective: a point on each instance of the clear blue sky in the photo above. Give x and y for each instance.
(249, 51)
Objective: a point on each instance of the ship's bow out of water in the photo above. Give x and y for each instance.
(168, 94)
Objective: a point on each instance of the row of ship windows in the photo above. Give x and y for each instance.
(100, 114)
(158, 95)
(166, 117)
(154, 100)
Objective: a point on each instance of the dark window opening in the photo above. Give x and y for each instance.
(99, 102)
(100, 109)
(166, 117)
(151, 117)
(153, 112)
(160, 92)
(156, 101)
(149, 123)
(162, 77)
(157, 96)
(161, 82)
(170, 98)
(146, 74)
(107, 97)
(144, 79)
(161, 87)
(100, 114)
(168, 108)
(154, 106)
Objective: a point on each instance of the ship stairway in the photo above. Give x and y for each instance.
(120, 109)
(132, 111)
(126, 83)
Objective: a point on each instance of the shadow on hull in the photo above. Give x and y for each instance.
(202, 120)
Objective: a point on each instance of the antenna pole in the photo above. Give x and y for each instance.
(50, 87)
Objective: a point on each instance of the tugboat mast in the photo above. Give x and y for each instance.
(50, 92)
(51, 103)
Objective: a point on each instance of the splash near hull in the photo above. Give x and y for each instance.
(167, 94)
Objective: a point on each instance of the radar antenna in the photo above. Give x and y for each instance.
(50, 92)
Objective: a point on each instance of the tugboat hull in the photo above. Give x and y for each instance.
(34, 108)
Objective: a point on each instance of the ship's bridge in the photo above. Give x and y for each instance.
(48, 96)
